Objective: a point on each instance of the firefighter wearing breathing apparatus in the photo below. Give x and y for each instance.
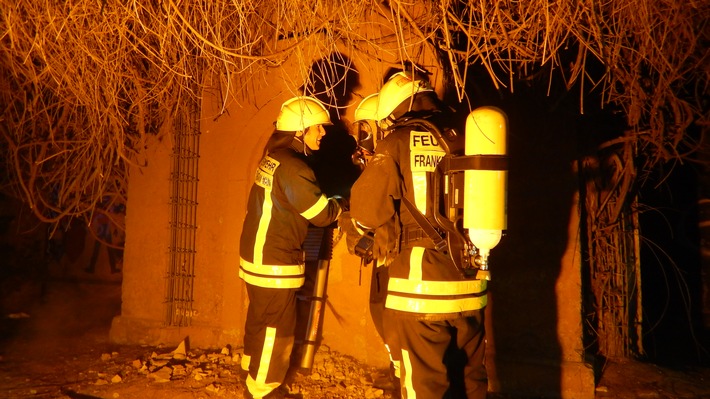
(435, 298)
(384, 240)
(283, 200)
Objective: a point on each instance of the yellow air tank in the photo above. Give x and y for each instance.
(485, 187)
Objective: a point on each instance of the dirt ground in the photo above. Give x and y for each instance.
(54, 344)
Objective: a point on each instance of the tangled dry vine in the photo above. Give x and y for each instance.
(87, 81)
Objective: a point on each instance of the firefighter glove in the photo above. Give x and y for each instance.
(342, 202)
(353, 233)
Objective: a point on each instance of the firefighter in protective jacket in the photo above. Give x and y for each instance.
(283, 200)
(436, 311)
(384, 241)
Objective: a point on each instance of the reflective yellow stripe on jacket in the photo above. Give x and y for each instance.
(272, 276)
(316, 208)
(435, 297)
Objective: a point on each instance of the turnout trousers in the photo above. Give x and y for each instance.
(442, 359)
(268, 337)
(378, 295)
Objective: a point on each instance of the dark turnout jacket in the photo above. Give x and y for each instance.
(283, 200)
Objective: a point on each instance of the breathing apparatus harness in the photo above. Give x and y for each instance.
(461, 214)
(447, 231)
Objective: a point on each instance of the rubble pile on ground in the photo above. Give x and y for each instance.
(218, 373)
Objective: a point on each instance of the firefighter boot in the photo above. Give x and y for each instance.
(387, 381)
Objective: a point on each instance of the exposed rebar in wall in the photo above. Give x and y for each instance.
(613, 253)
(180, 276)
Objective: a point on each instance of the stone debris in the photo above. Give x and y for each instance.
(179, 371)
(180, 352)
(163, 374)
(198, 374)
(212, 388)
(219, 372)
(373, 393)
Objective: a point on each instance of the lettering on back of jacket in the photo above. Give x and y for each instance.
(265, 172)
(425, 151)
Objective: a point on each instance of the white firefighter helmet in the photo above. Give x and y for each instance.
(367, 109)
(399, 87)
(300, 113)
(366, 121)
